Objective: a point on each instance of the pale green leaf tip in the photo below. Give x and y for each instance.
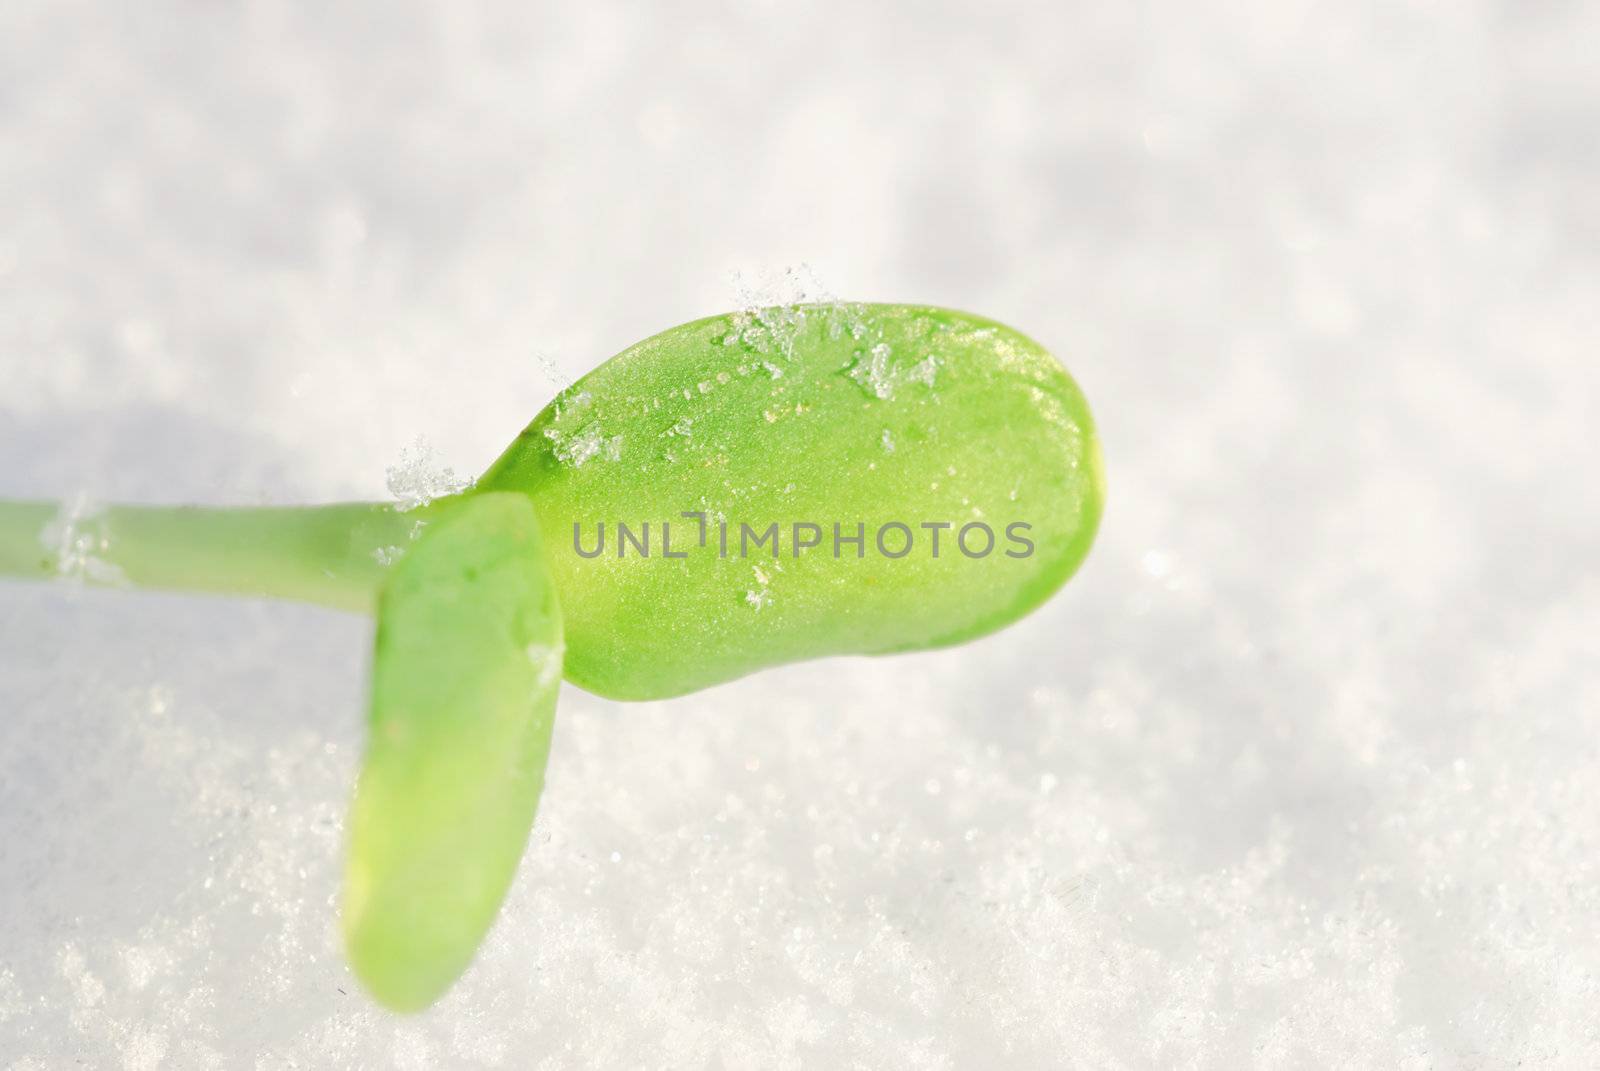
(465, 676)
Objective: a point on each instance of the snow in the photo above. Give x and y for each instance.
(420, 477)
(75, 538)
(1302, 770)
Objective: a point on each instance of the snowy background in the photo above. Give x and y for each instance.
(1302, 770)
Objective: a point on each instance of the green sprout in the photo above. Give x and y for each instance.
(833, 434)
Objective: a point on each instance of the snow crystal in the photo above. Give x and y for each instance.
(567, 403)
(873, 372)
(772, 308)
(588, 442)
(924, 371)
(552, 374)
(419, 477)
(77, 537)
(877, 373)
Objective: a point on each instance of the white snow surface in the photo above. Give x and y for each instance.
(1303, 769)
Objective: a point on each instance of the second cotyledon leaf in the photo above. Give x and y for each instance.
(466, 670)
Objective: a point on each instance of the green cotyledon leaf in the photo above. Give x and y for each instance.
(466, 669)
(822, 415)
(795, 482)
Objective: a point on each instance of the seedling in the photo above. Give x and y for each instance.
(912, 477)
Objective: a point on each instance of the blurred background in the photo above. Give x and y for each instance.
(1301, 770)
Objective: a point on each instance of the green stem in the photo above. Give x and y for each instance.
(329, 555)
